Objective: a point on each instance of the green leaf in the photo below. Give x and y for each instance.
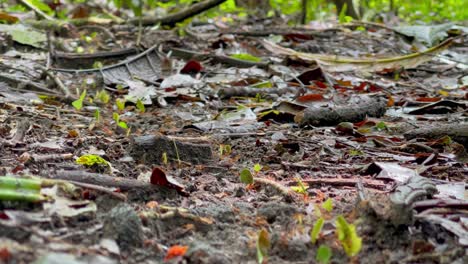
(120, 104)
(315, 232)
(324, 254)
(246, 176)
(381, 125)
(301, 188)
(91, 159)
(116, 117)
(97, 115)
(122, 124)
(41, 6)
(342, 15)
(103, 96)
(140, 106)
(257, 167)
(78, 104)
(263, 245)
(328, 205)
(246, 57)
(350, 241)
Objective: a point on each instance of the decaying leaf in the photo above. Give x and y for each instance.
(159, 177)
(333, 63)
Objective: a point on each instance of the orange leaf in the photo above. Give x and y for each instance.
(175, 251)
(428, 99)
(391, 101)
(344, 83)
(8, 18)
(310, 97)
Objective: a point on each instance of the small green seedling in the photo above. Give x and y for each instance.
(120, 104)
(246, 176)
(315, 232)
(103, 96)
(257, 168)
(347, 235)
(328, 205)
(324, 254)
(78, 104)
(164, 158)
(97, 115)
(140, 106)
(263, 245)
(224, 149)
(121, 124)
(301, 188)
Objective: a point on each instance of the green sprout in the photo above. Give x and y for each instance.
(78, 104)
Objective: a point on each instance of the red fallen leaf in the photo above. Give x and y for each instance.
(360, 124)
(158, 177)
(374, 88)
(297, 37)
(175, 251)
(5, 255)
(192, 67)
(4, 216)
(361, 87)
(428, 99)
(170, 89)
(320, 84)
(310, 98)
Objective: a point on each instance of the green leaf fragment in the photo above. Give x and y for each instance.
(91, 159)
(263, 245)
(246, 176)
(120, 104)
(257, 167)
(246, 57)
(140, 106)
(97, 115)
(381, 125)
(328, 205)
(324, 254)
(350, 241)
(122, 124)
(116, 117)
(315, 232)
(78, 104)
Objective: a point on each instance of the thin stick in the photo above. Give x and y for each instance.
(37, 10)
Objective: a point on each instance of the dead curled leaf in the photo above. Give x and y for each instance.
(158, 177)
(333, 63)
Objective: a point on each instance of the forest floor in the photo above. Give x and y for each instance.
(384, 141)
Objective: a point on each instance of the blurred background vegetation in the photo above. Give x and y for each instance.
(295, 11)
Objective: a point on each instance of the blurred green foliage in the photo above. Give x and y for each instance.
(411, 11)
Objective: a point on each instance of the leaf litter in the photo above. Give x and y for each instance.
(388, 176)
